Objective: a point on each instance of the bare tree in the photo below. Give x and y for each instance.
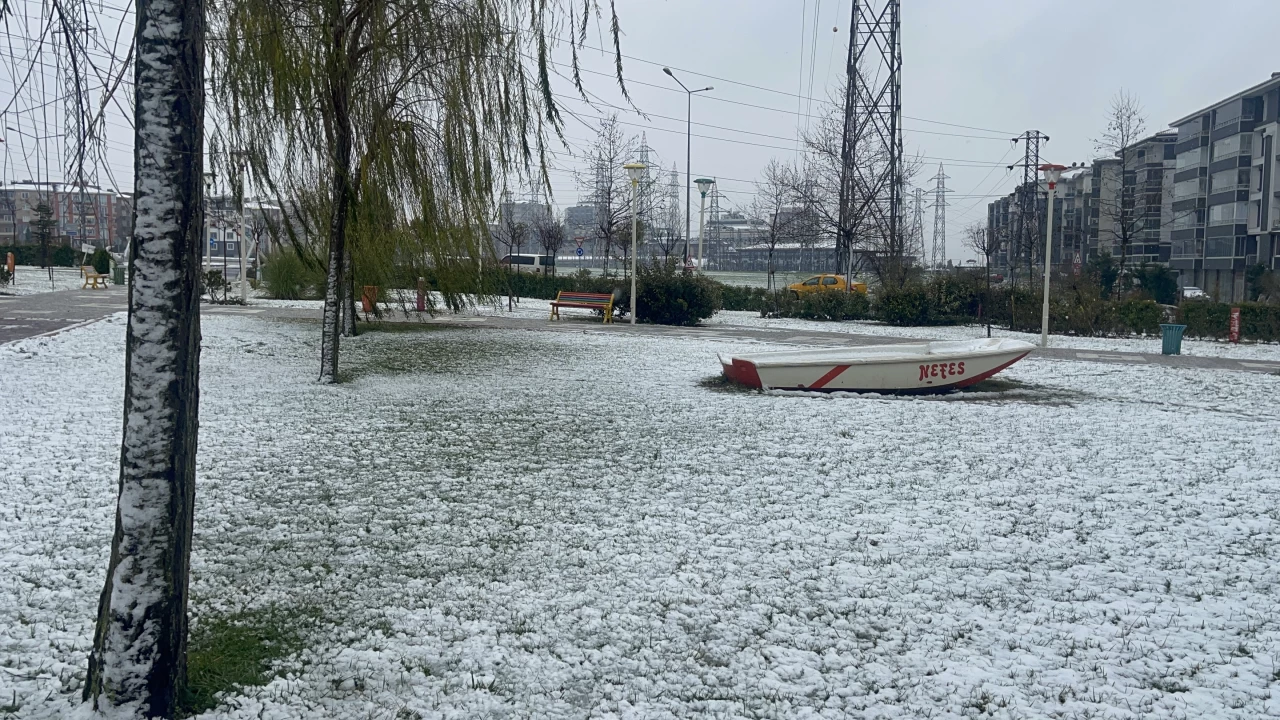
(609, 189)
(866, 227)
(667, 230)
(549, 232)
(776, 206)
(138, 664)
(986, 244)
(1118, 206)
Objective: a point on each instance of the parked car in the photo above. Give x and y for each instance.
(823, 282)
(1190, 292)
(537, 264)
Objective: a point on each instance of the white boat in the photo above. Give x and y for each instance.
(910, 367)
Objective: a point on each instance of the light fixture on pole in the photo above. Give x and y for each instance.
(1052, 173)
(635, 171)
(704, 186)
(688, 154)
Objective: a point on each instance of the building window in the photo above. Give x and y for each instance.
(1234, 179)
(1228, 213)
(1192, 158)
(1220, 247)
(1241, 144)
(1188, 188)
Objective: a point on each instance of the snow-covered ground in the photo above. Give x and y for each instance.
(31, 280)
(1208, 348)
(503, 523)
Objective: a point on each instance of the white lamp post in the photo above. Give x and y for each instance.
(704, 186)
(1051, 174)
(635, 171)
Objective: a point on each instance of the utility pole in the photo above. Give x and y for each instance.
(1028, 198)
(872, 129)
(917, 226)
(79, 139)
(940, 218)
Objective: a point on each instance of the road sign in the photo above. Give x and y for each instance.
(579, 240)
(579, 251)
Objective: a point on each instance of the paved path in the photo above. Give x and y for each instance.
(23, 316)
(29, 315)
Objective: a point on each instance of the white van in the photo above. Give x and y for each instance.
(537, 264)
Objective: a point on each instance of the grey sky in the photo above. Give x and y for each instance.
(1004, 65)
(1007, 65)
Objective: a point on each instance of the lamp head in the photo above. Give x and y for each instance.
(704, 185)
(635, 171)
(667, 70)
(1052, 173)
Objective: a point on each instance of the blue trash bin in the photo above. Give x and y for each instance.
(1172, 336)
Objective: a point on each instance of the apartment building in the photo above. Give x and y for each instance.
(1224, 204)
(87, 217)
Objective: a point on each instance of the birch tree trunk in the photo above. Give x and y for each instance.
(348, 297)
(137, 667)
(339, 86)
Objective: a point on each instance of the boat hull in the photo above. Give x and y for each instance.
(931, 367)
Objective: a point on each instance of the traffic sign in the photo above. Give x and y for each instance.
(579, 251)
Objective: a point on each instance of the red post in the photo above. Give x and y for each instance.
(1235, 324)
(422, 297)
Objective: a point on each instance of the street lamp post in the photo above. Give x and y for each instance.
(1052, 173)
(688, 155)
(635, 171)
(704, 186)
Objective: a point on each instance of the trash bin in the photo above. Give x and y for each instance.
(1172, 335)
(117, 275)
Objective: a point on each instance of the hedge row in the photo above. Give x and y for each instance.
(59, 255)
(1205, 318)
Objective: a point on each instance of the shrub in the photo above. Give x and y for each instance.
(63, 256)
(1158, 282)
(1136, 316)
(741, 297)
(830, 305)
(101, 261)
(1260, 321)
(1205, 318)
(667, 297)
(903, 306)
(288, 277)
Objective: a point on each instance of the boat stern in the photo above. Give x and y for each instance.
(742, 372)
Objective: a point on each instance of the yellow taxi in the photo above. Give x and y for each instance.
(823, 282)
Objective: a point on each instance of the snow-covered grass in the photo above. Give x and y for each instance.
(1208, 348)
(500, 523)
(32, 280)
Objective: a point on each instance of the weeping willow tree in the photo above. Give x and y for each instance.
(387, 115)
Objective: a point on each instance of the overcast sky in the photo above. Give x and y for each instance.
(1003, 66)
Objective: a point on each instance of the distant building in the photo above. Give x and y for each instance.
(262, 222)
(85, 217)
(1224, 206)
(580, 222)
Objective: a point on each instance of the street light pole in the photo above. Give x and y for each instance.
(688, 156)
(634, 171)
(1051, 173)
(704, 185)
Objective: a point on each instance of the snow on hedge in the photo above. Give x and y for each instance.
(495, 522)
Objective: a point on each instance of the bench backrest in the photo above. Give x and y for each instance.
(584, 298)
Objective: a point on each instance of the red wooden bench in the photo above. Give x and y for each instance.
(589, 301)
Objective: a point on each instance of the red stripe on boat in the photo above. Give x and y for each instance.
(979, 378)
(743, 373)
(832, 374)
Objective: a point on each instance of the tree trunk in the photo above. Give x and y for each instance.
(339, 95)
(349, 297)
(138, 666)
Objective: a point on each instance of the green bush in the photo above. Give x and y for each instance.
(1135, 316)
(1260, 321)
(1158, 282)
(741, 297)
(830, 305)
(903, 306)
(1205, 318)
(101, 261)
(665, 296)
(62, 256)
(288, 277)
